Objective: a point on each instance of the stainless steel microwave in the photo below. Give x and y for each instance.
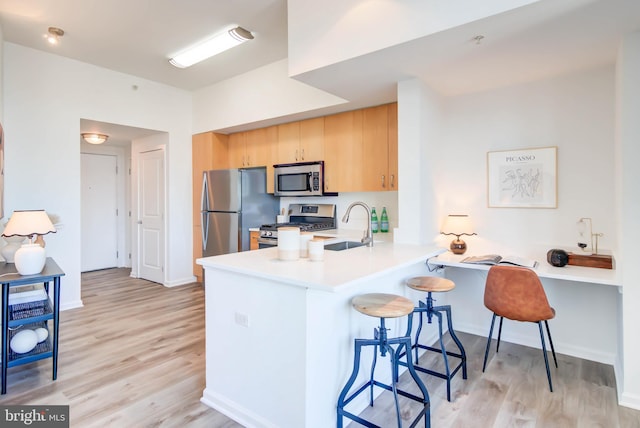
(299, 179)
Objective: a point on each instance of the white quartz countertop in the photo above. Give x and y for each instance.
(339, 269)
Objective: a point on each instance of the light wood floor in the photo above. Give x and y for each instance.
(133, 356)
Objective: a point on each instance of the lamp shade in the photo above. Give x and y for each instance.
(29, 258)
(28, 223)
(457, 224)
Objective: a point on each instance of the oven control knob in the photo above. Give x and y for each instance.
(267, 233)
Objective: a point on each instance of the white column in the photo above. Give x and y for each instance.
(418, 137)
(628, 192)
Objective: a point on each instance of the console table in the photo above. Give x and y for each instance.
(37, 317)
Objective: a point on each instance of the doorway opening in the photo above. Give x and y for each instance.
(110, 199)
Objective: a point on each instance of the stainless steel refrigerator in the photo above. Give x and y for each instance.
(234, 200)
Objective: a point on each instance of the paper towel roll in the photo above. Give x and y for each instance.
(288, 243)
(305, 237)
(316, 250)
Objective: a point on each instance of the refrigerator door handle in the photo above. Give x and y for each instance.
(204, 198)
(204, 207)
(205, 229)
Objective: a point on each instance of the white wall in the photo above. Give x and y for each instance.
(575, 113)
(45, 97)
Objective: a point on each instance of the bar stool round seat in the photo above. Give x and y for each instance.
(382, 306)
(431, 284)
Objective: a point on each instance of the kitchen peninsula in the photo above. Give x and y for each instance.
(279, 334)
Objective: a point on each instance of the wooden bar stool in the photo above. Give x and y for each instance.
(383, 306)
(430, 284)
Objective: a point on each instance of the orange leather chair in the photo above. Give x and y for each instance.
(516, 293)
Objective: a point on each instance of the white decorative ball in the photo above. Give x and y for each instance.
(42, 333)
(24, 341)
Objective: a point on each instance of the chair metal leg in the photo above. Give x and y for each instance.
(553, 351)
(499, 335)
(486, 352)
(546, 359)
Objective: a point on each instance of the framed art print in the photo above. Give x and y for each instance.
(525, 178)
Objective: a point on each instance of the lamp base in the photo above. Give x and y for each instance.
(30, 259)
(458, 246)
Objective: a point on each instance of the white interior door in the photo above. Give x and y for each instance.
(151, 215)
(99, 208)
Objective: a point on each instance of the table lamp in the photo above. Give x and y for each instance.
(458, 225)
(30, 257)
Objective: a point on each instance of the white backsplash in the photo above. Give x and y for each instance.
(358, 218)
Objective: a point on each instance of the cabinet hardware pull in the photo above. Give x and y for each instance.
(302, 157)
(383, 184)
(393, 180)
(296, 154)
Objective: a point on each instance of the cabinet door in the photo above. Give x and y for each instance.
(288, 143)
(312, 140)
(272, 155)
(375, 157)
(343, 152)
(253, 240)
(237, 150)
(220, 151)
(257, 147)
(393, 147)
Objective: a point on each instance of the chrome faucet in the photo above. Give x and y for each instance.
(368, 237)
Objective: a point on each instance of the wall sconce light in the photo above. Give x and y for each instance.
(53, 35)
(458, 225)
(211, 47)
(93, 138)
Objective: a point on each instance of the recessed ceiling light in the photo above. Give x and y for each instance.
(54, 34)
(211, 47)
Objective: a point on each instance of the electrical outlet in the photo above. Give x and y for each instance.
(242, 319)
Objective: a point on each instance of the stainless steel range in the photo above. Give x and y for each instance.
(308, 217)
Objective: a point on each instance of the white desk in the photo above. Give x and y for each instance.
(544, 269)
(586, 302)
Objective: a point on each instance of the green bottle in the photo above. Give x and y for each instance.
(384, 221)
(374, 220)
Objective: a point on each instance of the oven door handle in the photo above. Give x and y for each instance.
(267, 241)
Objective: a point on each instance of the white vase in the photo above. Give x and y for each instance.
(8, 251)
(30, 259)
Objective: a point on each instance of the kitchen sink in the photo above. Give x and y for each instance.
(344, 245)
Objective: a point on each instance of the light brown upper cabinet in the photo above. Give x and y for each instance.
(301, 141)
(380, 148)
(343, 152)
(251, 148)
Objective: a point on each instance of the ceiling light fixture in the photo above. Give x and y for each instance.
(211, 47)
(54, 34)
(93, 138)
